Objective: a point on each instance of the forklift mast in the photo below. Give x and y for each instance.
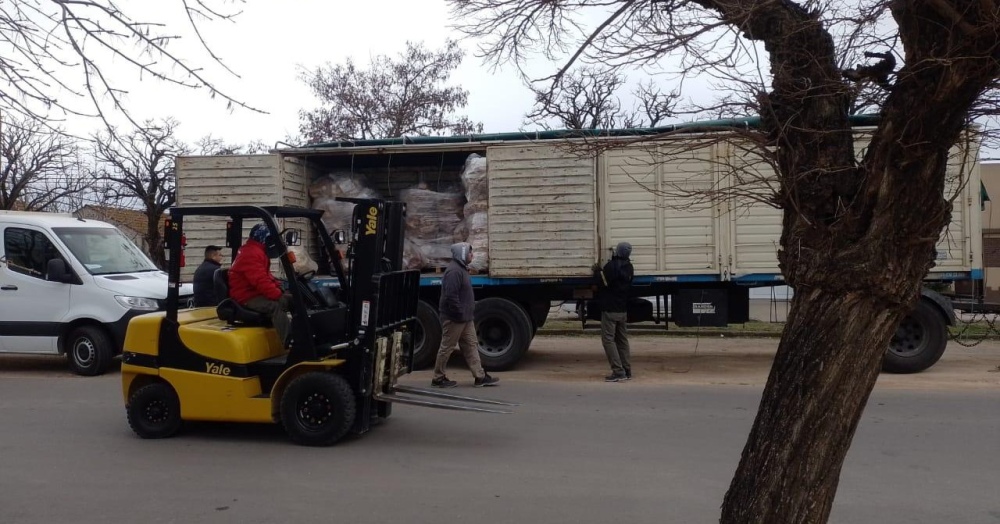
(376, 247)
(381, 295)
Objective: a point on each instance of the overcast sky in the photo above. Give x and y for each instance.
(271, 41)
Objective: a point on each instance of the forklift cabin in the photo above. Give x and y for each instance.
(346, 348)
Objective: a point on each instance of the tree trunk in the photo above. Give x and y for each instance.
(825, 368)
(154, 241)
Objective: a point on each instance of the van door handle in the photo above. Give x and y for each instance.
(9, 288)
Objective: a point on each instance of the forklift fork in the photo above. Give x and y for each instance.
(395, 397)
(388, 367)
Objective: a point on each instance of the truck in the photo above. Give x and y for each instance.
(542, 208)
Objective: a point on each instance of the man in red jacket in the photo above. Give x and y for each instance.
(252, 286)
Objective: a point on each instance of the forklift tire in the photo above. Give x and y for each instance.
(154, 411)
(919, 341)
(505, 332)
(89, 350)
(427, 338)
(317, 408)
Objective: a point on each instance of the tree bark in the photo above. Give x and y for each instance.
(825, 368)
(857, 240)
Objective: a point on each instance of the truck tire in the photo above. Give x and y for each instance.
(89, 350)
(426, 337)
(317, 408)
(919, 341)
(505, 332)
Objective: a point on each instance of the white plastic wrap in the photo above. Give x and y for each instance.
(476, 183)
(324, 191)
(431, 220)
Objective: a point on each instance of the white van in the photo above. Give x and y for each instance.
(70, 286)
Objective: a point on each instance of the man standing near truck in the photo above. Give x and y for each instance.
(204, 278)
(458, 326)
(615, 282)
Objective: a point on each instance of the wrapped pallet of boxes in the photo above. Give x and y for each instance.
(477, 204)
(431, 220)
(337, 215)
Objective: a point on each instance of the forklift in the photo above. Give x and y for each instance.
(348, 345)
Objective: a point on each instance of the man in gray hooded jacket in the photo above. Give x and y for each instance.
(458, 327)
(615, 282)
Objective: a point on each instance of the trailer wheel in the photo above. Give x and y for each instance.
(505, 332)
(154, 411)
(919, 341)
(426, 336)
(317, 408)
(89, 350)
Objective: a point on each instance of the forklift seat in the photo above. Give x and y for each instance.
(230, 311)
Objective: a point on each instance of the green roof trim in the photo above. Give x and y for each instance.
(750, 122)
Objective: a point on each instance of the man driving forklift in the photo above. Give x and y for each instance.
(252, 286)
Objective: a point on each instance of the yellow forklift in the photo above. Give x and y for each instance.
(347, 348)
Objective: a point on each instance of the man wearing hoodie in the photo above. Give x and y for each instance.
(252, 286)
(615, 281)
(457, 320)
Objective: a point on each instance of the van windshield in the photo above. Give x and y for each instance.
(104, 251)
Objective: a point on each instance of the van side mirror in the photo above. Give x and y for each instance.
(56, 271)
(339, 237)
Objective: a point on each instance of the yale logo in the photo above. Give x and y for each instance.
(372, 220)
(217, 369)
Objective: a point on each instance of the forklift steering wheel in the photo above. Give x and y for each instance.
(312, 300)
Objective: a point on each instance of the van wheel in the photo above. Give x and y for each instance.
(317, 408)
(154, 411)
(89, 351)
(505, 332)
(426, 336)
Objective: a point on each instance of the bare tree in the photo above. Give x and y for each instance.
(44, 43)
(588, 98)
(209, 145)
(39, 168)
(391, 98)
(137, 170)
(858, 234)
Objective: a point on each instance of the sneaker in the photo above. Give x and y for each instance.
(487, 380)
(443, 382)
(628, 375)
(614, 377)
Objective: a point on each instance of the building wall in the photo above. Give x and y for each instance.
(991, 230)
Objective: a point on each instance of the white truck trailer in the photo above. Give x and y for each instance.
(553, 212)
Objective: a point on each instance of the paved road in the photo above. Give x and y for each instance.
(576, 452)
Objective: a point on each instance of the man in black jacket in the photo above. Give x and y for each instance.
(458, 326)
(204, 278)
(615, 281)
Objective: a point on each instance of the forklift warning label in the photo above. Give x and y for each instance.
(365, 308)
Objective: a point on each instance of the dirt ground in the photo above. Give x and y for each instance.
(729, 361)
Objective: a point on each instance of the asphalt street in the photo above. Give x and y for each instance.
(574, 452)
